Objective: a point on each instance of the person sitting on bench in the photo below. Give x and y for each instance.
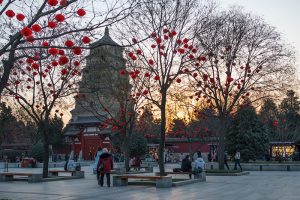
(186, 165)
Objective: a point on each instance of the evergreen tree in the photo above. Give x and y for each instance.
(55, 132)
(138, 145)
(247, 134)
(289, 111)
(268, 115)
(5, 117)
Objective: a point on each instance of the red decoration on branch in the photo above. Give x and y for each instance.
(77, 50)
(26, 32)
(20, 17)
(45, 44)
(123, 72)
(145, 92)
(153, 34)
(86, 40)
(54, 63)
(63, 60)
(147, 74)
(53, 51)
(52, 2)
(69, 43)
(156, 77)
(76, 63)
(185, 40)
(35, 66)
(81, 12)
(52, 25)
(139, 52)
(10, 13)
(64, 72)
(60, 18)
(158, 40)
(134, 40)
(63, 2)
(36, 28)
(151, 62)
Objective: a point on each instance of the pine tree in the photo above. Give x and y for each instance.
(247, 134)
(268, 115)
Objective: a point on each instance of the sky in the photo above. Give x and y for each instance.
(282, 14)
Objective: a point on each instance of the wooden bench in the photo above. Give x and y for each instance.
(201, 175)
(78, 174)
(161, 181)
(10, 176)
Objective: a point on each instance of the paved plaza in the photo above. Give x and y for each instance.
(256, 186)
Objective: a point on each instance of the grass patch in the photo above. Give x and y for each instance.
(222, 171)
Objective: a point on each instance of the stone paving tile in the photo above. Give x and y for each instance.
(256, 186)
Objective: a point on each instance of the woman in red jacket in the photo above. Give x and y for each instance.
(105, 165)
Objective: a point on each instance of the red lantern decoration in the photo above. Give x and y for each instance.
(69, 43)
(139, 52)
(63, 2)
(185, 40)
(29, 60)
(64, 72)
(63, 60)
(122, 72)
(10, 13)
(36, 28)
(54, 63)
(26, 32)
(45, 44)
(20, 17)
(145, 92)
(60, 18)
(53, 51)
(35, 66)
(52, 25)
(147, 74)
(76, 63)
(81, 12)
(86, 40)
(158, 40)
(191, 56)
(130, 54)
(156, 77)
(178, 80)
(30, 38)
(61, 52)
(52, 2)
(151, 62)
(77, 50)
(153, 46)
(178, 41)
(181, 51)
(153, 34)
(134, 40)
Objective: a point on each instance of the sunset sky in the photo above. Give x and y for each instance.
(284, 15)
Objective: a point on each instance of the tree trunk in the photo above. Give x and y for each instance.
(126, 154)
(7, 66)
(161, 158)
(222, 131)
(45, 132)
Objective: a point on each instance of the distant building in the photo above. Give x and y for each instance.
(85, 131)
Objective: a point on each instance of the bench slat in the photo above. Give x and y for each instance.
(139, 177)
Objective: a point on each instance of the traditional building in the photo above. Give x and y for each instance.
(96, 97)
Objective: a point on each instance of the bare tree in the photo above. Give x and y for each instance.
(243, 58)
(22, 22)
(43, 48)
(161, 59)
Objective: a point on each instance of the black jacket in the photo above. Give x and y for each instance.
(186, 165)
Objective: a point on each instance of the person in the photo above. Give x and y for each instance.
(105, 166)
(199, 164)
(186, 165)
(67, 160)
(90, 155)
(97, 159)
(237, 158)
(225, 159)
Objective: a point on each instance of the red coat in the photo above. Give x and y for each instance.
(108, 164)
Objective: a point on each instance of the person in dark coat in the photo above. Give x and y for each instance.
(105, 166)
(186, 165)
